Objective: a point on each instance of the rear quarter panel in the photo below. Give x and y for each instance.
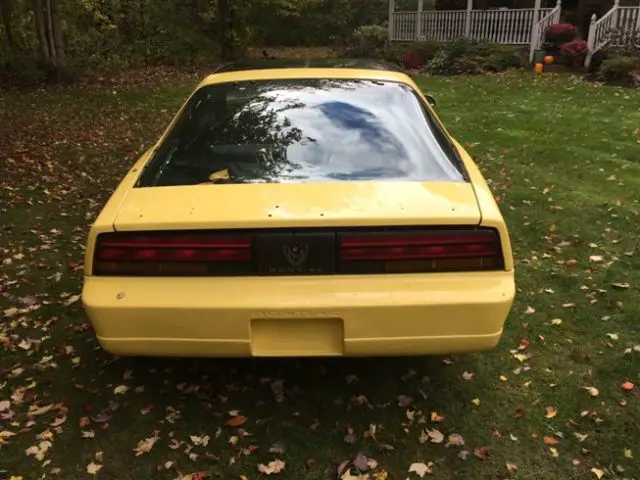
(489, 210)
(106, 217)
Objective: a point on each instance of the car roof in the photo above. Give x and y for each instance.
(266, 64)
(335, 68)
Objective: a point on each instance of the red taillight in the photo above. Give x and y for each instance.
(160, 253)
(414, 251)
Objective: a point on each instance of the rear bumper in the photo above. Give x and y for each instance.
(300, 316)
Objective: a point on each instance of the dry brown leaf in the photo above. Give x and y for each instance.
(219, 175)
(549, 440)
(276, 466)
(421, 469)
(93, 468)
(481, 452)
(435, 435)
(236, 421)
(551, 412)
(593, 391)
(145, 446)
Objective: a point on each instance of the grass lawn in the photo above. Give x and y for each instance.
(563, 158)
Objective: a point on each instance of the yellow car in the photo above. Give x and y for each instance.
(310, 209)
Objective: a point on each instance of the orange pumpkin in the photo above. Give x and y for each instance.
(539, 68)
(548, 59)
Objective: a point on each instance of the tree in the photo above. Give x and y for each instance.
(5, 11)
(49, 34)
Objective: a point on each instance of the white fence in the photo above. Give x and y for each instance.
(510, 26)
(612, 28)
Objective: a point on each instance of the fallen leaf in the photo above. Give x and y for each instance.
(236, 421)
(436, 417)
(628, 386)
(435, 435)
(613, 336)
(554, 452)
(581, 437)
(512, 467)
(454, 440)
(551, 412)
(219, 175)
(620, 286)
(37, 411)
(549, 440)
(595, 258)
(145, 446)
(275, 466)
(556, 321)
(481, 452)
(476, 402)
(467, 375)
(5, 405)
(530, 310)
(597, 472)
(59, 421)
(120, 390)
(421, 469)
(593, 391)
(627, 453)
(93, 468)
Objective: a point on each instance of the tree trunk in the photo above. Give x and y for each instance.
(5, 8)
(224, 14)
(58, 40)
(51, 44)
(41, 32)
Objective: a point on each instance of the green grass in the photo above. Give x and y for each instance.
(563, 157)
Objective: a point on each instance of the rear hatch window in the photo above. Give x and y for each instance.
(303, 130)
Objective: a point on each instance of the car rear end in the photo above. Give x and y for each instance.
(313, 214)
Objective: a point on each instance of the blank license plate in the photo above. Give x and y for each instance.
(297, 337)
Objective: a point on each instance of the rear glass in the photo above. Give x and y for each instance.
(302, 130)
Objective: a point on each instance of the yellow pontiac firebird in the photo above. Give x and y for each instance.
(310, 209)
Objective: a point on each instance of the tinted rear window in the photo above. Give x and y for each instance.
(302, 130)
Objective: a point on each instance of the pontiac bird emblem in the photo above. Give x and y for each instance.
(295, 255)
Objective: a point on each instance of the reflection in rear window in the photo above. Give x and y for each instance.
(302, 130)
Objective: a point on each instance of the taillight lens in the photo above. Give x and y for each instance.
(419, 251)
(166, 253)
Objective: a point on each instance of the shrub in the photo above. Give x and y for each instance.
(559, 33)
(574, 48)
(368, 41)
(468, 56)
(621, 70)
(22, 68)
(412, 60)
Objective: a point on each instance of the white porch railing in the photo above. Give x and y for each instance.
(624, 20)
(540, 27)
(509, 26)
(522, 26)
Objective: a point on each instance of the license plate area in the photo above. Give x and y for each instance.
(303, 253)
(296, 337)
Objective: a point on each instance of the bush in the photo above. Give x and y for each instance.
(469, 56)
(22, 68)
(368, 41)
(574, 48)
(625, 70)
(558, 34)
